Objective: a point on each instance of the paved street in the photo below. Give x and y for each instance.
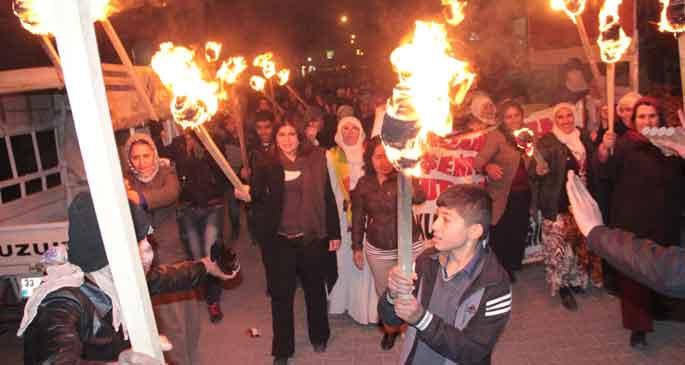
(540, 330)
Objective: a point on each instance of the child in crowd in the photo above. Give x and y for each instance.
(462, 298)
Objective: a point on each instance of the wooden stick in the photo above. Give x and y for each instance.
(611, 77)
(123, 55)
(82, 70)
(213, 150)
(297, 96)
(681, 54)
(404, 223)
(50, 50)
(237, 113)
(585, 40)
(275, 104)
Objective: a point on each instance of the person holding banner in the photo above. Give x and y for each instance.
(506, 166)
(566, 257)
(293, 202)
(647, 199)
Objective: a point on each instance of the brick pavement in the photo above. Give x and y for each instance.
(540, 330)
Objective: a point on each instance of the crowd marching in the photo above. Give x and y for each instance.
(322, 208)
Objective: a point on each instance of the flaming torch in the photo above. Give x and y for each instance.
(71, 22)
(194, 101)
(212, 51)
(673, 21)
(613, 43)
(430, 80)
(257, 83)
(454, 11)
(574, 10)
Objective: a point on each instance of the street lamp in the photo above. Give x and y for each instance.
(344, 19)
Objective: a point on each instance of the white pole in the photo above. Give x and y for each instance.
(611, 84)
(404, 223)
(86, 89)
(681, 56)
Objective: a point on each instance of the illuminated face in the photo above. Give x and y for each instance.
(263, 105)
(488, 110)
(625, 112)
(450, 231)
(350, 133)
(646, 116)
(287, 140)
(565, 120)
(380, 161)
(513, 119)
(265, 130)
(142, 158)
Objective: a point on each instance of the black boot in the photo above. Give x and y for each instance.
(638, 339)
(388, 340)
(567, 299)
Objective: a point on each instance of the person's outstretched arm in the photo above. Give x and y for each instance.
(661, 268)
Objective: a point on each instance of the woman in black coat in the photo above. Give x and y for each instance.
(294, 206)
(647, 199)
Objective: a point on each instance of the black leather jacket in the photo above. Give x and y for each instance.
(74, 325)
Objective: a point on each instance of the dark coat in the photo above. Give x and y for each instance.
(202, 182)
(74, 325)
(479, 321)
(548, 188)
(648, 262)
(267, 190)
(647, 197)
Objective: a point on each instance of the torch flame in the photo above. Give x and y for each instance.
(231, 69)
(665, 25)
(194, 99)
(613, 41)
(257, 83)
(572, 8)
(264, 61)
(283, 76)
(428, 77)
(525, 140)
(37, 17)
(454, 13)
(212, 51)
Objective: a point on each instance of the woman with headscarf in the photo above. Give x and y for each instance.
(567, 260)
(506, 166)
(354, 291)
(152, 183)
(483, 113)
(647, 199)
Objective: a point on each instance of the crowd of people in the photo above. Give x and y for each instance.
(322, 208)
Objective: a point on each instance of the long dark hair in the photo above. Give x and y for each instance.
(501, 110)
(368, 155)
(304, 148)
(653, 102)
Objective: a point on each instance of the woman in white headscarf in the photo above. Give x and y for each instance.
(567, 260)
(483, 112)
(354, 292)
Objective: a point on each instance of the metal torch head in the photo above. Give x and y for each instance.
(676, 12)
(400, 139)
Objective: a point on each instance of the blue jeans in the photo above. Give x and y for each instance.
(203, 227)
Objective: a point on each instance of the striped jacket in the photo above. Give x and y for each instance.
(481, 316)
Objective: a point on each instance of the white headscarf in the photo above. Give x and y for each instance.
(571, 140)
(143, 138)
(477, 104)
(354, 153)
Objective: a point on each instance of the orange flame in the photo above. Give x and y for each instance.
(430, 79)
(212, 51)
(37, 17)
(665, 25)
(613, 41)
(283, 76)
(454, 14)
(194, 99)
(525, 140)
(231, 69)
(257, 83)
(264, 61)
(572, 8)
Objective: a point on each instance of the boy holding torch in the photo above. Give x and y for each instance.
(458, 301)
